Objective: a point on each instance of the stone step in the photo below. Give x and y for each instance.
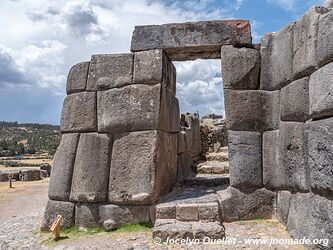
(173, 229)
(207, 180)
(213, 167)
(221, 157)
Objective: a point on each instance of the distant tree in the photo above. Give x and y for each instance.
(20, 149)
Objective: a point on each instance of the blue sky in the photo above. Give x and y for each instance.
(41, 41)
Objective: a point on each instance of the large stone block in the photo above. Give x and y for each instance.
(169, 113)
(87, 215)
(55, 208)
(77, 78)
(294, 157)
(194, 143)
(320, 155)
(184, 166)
(320, 89)
(273, 173)
(240, 67)
(277, 59)
(282, 206)
(245, 156)
(305, 42)
(192, 40)
(154, 67)
(143, 165)
(295, 101)
(110, 71)
(324, 48)
(62, 170)
(240, 205)
(252, 110)
(114, 216)
(91, 168)
(132, 108)
(311, 217)
(79, 113)
(181, 142)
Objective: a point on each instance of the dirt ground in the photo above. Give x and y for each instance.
(22, 211)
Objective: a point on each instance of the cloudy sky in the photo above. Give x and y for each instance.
(41, 39)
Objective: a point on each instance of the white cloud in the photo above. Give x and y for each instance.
(294, 5)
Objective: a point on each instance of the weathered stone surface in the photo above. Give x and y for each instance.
(132, 108)
(187, 212)
(320, 89)
(30, 175)
(240, 205)
(181, 142)
(184, 166)
(206, 180)
(4, 175)
(245, 153)
(324, 48)
(273, 173)
(283, 205)
(293, 155)
(154, 67)
(62, 170)
(87, 215)
(173, 231)
(320, 155)
(253, 110)
(166, 211)
(311, 217)
(277, 59)
(194, 132)
(169, 114)
(46, 167)
(305, 42)
(295, 101)
(91, 168)
(212, 230)
(240, 67)
(79, 113)
(53, 209)
(192, 40)
(113, 216)
(110, 71)
(143, 165)
(77, 78)
(209, 212)
(328, 4)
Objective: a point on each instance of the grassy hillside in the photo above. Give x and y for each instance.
(16, 138)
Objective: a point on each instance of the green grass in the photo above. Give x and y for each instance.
(75, 232)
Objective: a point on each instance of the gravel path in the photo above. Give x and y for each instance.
(22, 211)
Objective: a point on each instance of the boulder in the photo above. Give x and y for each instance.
(295, 101)
(132, 108)
(110, 71)
(55, 208)
(252, 110)
(294, 156)
(62, 170)
(91, 168)
(245, 155)
(30, 175)
(192, 40)
(114, 216)
(240, 67)
(4, 175)
(77, 78)
(320, 155)
(277, 59)
(311, 217)
(305, 41)
(246, 205)
(46, 167)
(79, 113)
(320, 89)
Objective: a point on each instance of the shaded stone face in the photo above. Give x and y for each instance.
(193, 40)
(77, 78)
